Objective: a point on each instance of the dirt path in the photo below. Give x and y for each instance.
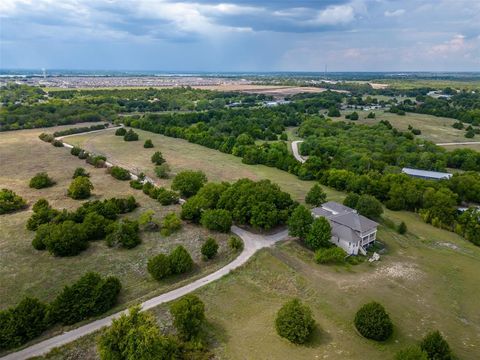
(296, 152)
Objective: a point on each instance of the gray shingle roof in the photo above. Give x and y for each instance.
(354, 221)
(336, 207)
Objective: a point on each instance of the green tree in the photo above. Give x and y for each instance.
(130, 135)
(41, 180)
(180, 260)
(65, 239)
(95, 226)
(188, 316)
(169, 224)
(80, 172)
(300, 222)
(411, 353)
(235, 243)
(351, 200)
(333, 112)
(217, 220)
(436, 346)
(167, 197)
(319, 235)
(120, 131)
(159, 267)
(157, 158)
(316, 196)
(209, 248)
(163, 171)
(402, 228)
(369, 206)
(80, 188)
(10, 202)
(123, 233)
(189, 182)
(294, 322)
(373, 322)
(120, 173)
(148, 144)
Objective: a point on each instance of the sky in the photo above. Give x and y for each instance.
(241, 35)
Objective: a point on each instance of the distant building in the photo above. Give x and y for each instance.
(426, 174)
(351, 231)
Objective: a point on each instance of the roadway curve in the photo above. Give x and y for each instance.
(252, 243)
(295, 151)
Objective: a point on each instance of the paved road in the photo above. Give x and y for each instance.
(295, 151)
(252, 243)
(459, 143)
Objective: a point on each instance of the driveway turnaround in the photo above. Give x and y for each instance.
(252, 243)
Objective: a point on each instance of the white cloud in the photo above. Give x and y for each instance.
(394, 13)
(334, 15)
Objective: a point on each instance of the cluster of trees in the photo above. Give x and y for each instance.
(10, 202)
(177, 262)
(260, 204)
(90, 296)
(65, 233)
(80, 130)
(138, 336)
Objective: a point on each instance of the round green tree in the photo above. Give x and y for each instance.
(180, 260)
(299, 222)
(217, 219)
(41, 180)
(157, 158)
(159, 266)
(373, 322)
(209, 248)
(80, 188)
(295, 322)
(436, 346)
(148, 144)
(188, 316)
(316, 196)
(189, 182)
(319, 235)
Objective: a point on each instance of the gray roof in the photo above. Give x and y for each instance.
(354, 221)
(345, 233)
(321, 212)
(336, 207)
(426, 173)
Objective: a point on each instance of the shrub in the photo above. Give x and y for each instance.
(157, 158)
(189, 182)
(163, 171)
(146, 221)
(170, 223)
(42, 233)
(130, 135)
(57, 143)
(65, 239)
(83, 155)
(148, 144)
(235, 243)
(149, 189)
(80, 172)
(373, 322)
(120, 173)
(159, 266)
(167, 197)
(10, 202)
(123, 234)
(316, 196)
(294, 322)
(136, 184)
(319, 235)
(124, 205)
(436, 347)
(42, 214)
(217, 219)
(91, 295)
(188, 316)
(402, 228)
(411, 353)
(209, 248)
(46, 137)
(180, 260)
(41, 180)
(333, 255)
(75, 151)
(120, 131)
(96, 160)
(300, 222)
(80, 188)
(95, 226)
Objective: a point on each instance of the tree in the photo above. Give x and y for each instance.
(209, 248)
(157, 158)
(402, 228)
(159, 267)
(180, 260)
(436, 346)
(130, 135)
(332, 255)
(10, 202)
(167, 197)
(120, 131)
(411, 353)
(41, 180)
(319, 235)
(189, 182)
(148, 144)
(75, 151)
(264, 215)
(80, 188)
(95, 226)
(235, 243)
(316, 196)
(123, 234)
(294, 322)
(217, 220)
(170, 223)
(299, 222)
(188, 316)
(136, 336)
(163, 171)
(373, 322)
(333, 112)
(351, 200)
(80, 172)
(369, 206)
(65, 239)
(120, 173)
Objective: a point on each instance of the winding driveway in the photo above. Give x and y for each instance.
(295, 151)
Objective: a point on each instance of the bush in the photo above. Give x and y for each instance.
(147, 222)
(167, 197)
(411, 353)
(57, 143)
(316, 196)
(10, 202)
(157, 158)
(163, 171)
(188, 316)
(120, 131)
(436, 347)
(180, 260)
(83, 155)
(217, 220)
(75, 151)
(149, 189)
(159, 266)
(120, 173)
(148, 144)
(130, 135)
(294, 322)
(209, 248)
(91, 295)
(95, 226)
(235, 243)
(46, 137)
(402, 228)
(170, 223)
(42, 214)
(80, 188)
(65, 239)
(123, 234)
(189, 182)
(319, 235)
(96, 160)
(333, 255)
(136, 184)
(80, 172)
(41, 180)
(373, 322)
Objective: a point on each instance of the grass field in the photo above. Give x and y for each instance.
(26, 271)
